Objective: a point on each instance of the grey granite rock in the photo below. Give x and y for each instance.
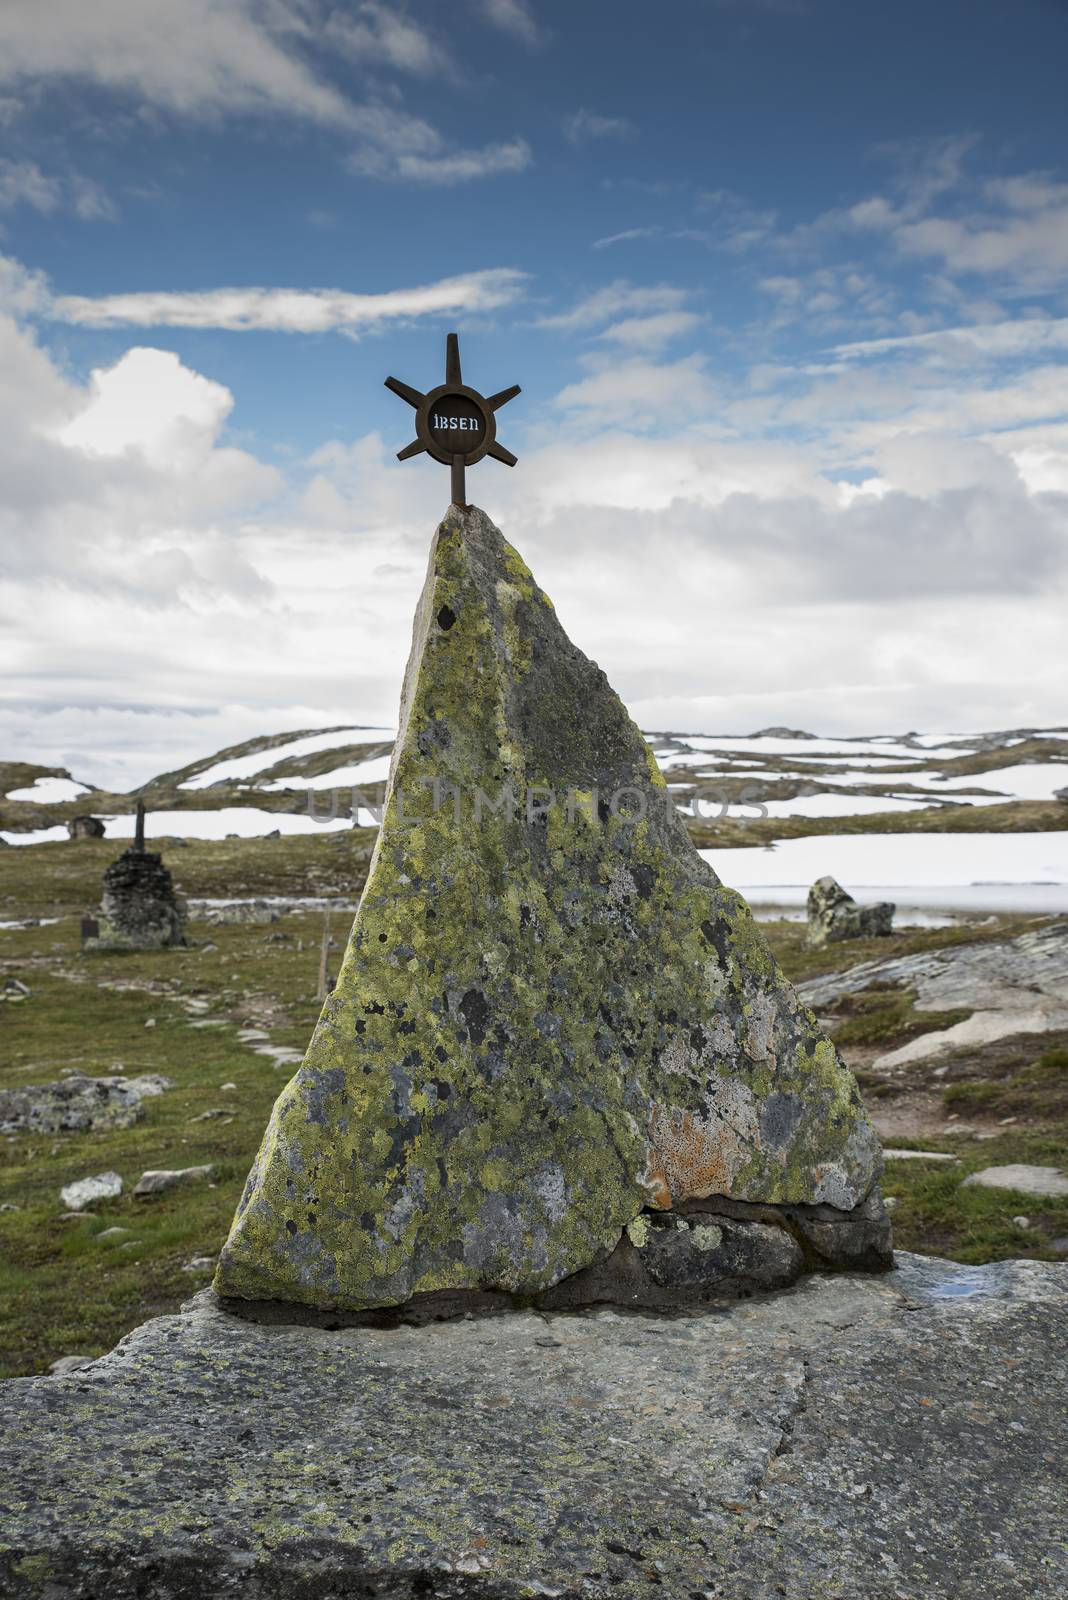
(160, 1181)
(834, 915)
(85, 827)
(551, 1015)
(89, 1191)
(77, 1103)
(891, 1438)
(1049, 1182)
(1015, 986)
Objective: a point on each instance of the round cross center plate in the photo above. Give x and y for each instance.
(456, 424)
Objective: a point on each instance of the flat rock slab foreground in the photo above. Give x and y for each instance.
(855, 1436)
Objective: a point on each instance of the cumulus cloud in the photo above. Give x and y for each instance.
(291, 310)
(832, 543)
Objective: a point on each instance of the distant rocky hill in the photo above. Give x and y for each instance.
(779, 782)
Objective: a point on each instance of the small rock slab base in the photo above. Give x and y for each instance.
(856, 1437)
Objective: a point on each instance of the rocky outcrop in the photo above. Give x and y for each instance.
(552, 1021)
(890, 1438)
(1014, 986)
(76, 1103)
(833, 914)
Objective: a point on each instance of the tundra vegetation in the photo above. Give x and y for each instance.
(204, 1016)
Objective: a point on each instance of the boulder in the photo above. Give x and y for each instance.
(159, 1182)
(552, 1021)
(1045, 1182)
(88, 1191)
(858, 1437)
(833, 914)
(85, 828)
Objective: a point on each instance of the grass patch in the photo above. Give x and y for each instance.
(935, 1214)
(1037, 1091)
(65, 1290)
(886, 1015)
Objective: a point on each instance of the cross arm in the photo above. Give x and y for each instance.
(406, 392)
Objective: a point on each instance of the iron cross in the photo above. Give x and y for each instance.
(453, 423)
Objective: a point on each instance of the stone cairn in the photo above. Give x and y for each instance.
(560, 1064)
(833, 914)
(139, 909)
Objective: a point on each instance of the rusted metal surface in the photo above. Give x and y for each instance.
(454, 423)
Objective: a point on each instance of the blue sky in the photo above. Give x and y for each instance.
(784, 282)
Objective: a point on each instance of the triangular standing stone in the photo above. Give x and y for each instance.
(551, 1017)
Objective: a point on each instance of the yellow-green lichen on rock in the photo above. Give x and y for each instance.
(551, 1015)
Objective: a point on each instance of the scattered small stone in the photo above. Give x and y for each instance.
(209, 1116)
(224, 1088)
(151, 1023)
(200, 1264)
(68, 1364)
(257, 912)
(918, 1155)
(1021, 1222)
(209, 947)
(1049, 1182)
(113, 1233)
(158, 1182)
(87, 1191)
(890, 1201)
(16, 986)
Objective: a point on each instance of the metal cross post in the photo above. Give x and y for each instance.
(454, 423)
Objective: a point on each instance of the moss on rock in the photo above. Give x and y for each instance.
(550, 1015)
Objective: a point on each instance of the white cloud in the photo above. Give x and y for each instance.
(643, 395)
(291, 310)
(625, 237)
(185, 56)
(380, 33)
(512, 16)
(616, 299)
(150, 403)
(461, 166)
(203, 58)
(581, 126)
(995, 340)
(23, 183)
(833, 546)
(652, 332)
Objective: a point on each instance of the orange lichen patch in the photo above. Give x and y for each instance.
(689, 1158)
